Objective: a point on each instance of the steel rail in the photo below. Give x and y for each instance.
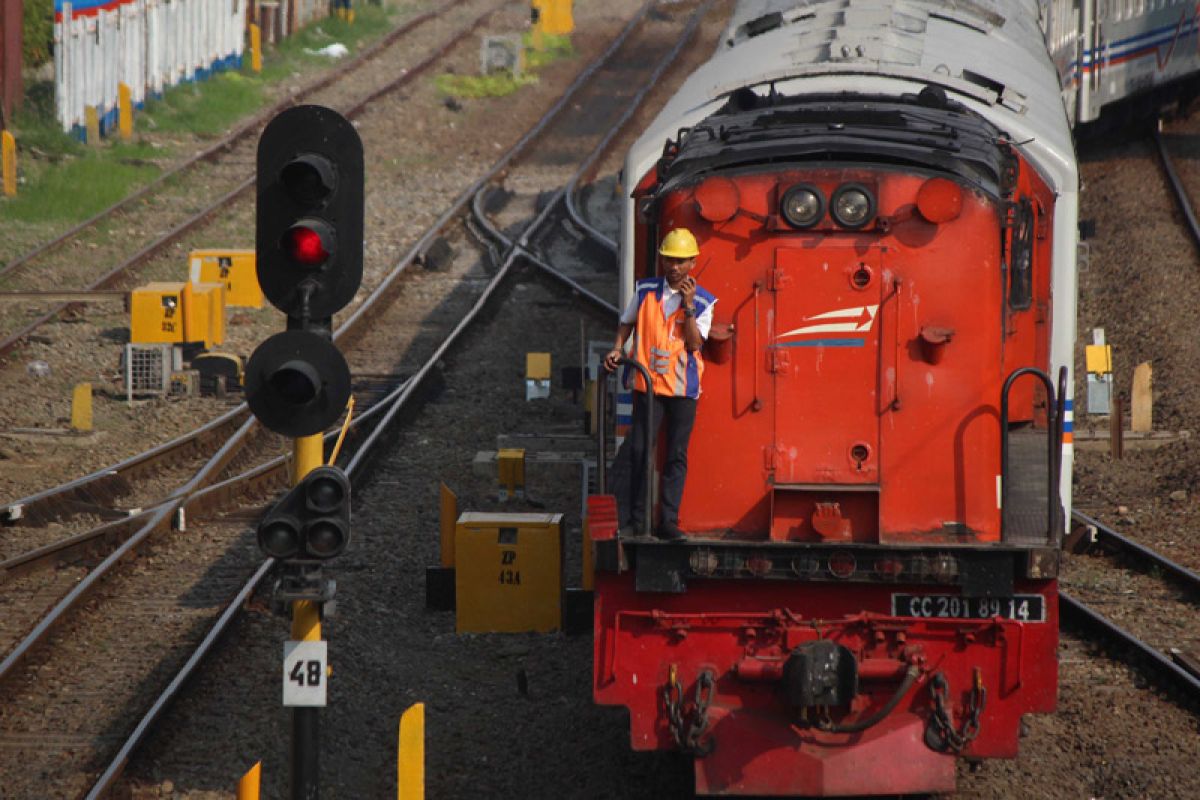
(1109, 538)
(460, 202)
(72, 545)
(214, 634)
(401, 395)
(241, 409)
(1088, 618)
(1181, 196)
(600, 149)
(234, 136)
(204, 503)
(33, 506)
(573, 185)
(173, 235)
(529, 255)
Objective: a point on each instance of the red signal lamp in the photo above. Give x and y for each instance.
(308, 243)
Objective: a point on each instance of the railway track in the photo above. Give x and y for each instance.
(1166, 643)
(129, 235)
(203, 495)
(1182, 200)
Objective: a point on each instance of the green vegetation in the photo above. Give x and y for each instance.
(76, 190)
(37, 31)
(206, 107)
(63, 180)
(554, 48)
(209, 107)
(499, 84)
(475, 86)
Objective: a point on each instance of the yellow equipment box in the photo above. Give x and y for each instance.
(156, 314)
(1099, 358)
(508, 573)
(233, 268)
(204, 314)
(177, 313)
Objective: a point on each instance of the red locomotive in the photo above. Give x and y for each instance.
(866, 589)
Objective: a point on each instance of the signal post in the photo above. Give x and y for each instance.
(309, 246)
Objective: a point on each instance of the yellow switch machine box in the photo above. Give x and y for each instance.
(156, 314)
(177, 313)
(204, 314)
(508, 572)
(233, 268)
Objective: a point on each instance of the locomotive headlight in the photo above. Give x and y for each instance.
(803, 205)
(853, 206)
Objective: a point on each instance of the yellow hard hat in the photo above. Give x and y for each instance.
(679, 243)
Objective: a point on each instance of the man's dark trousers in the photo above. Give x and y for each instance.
(680, 414)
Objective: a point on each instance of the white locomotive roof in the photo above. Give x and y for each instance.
(988, 55)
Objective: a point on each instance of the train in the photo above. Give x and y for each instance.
(886, 196)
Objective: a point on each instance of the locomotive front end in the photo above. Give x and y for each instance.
(867, 585)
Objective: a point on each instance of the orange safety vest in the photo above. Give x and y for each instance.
(658, 343)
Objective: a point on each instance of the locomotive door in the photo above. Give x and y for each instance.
(824, 353)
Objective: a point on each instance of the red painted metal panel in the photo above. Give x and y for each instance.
(825, 345)
(760, 744)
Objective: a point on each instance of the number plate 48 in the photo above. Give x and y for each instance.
(305, 668)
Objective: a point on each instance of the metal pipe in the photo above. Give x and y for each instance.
(648, 525)
(601, 407)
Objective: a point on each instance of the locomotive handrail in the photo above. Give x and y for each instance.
(1056, 404)
(647, 525)
(601, 410)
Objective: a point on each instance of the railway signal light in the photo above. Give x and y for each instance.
(310, 213)
(309, 255)
(312, 521)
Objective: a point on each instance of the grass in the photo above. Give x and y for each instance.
(554, 48)
(75, 190)
(475, 86)
(499, 84)
(64, 180)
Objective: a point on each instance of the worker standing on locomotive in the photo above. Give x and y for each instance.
(669, 318)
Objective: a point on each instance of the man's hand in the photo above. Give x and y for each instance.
(687, 288)
(613, 359)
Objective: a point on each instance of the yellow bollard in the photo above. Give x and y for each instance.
(125, 111)
(81, 408)
(8, 159)
(247, 788)
(255, 48)
(537, 17)
(93, 125)
(558, 19)
(410, 759)
(446, 525)
(510, 462)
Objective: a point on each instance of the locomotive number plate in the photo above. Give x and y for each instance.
(1020, 607)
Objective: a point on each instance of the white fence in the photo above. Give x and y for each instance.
(146, 44)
